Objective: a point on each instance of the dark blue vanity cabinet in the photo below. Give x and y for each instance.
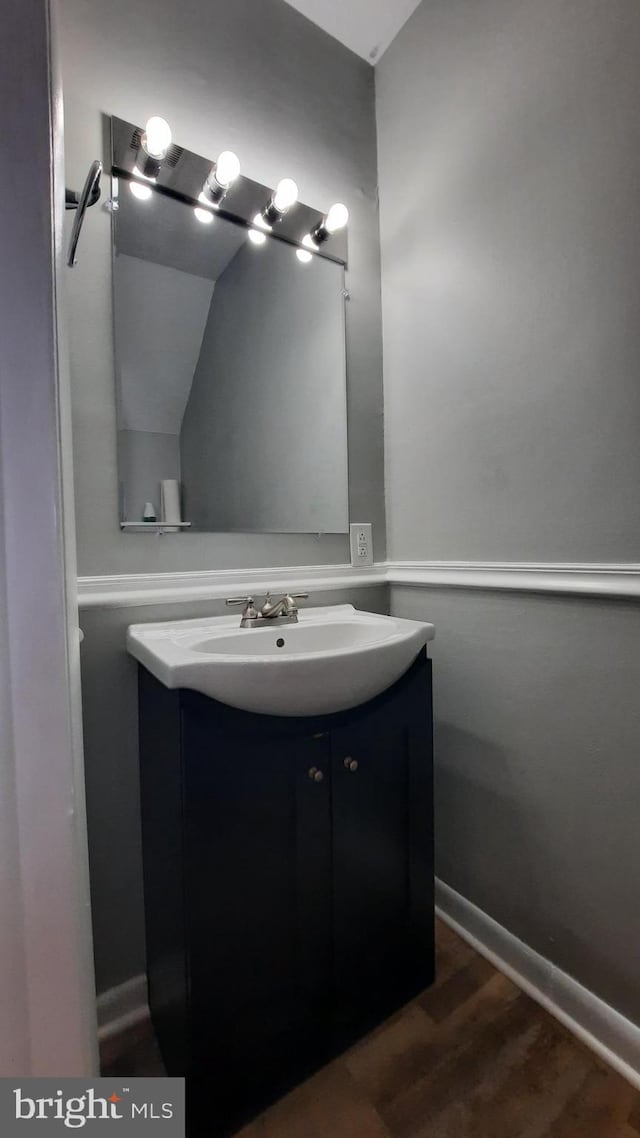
(288, 869)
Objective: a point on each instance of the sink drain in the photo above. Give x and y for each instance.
(280, 642)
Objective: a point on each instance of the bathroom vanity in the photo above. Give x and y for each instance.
(288, 864)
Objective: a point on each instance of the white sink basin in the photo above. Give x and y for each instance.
(333, 659)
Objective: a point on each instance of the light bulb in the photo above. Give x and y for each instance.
(309, 243)
(304, 256)
(257, 237)
(261, 223)
(143, 193)
(202, 197)
(337, 218)
(286, 195)
(227, 168)
(157, 137)
(203, 215)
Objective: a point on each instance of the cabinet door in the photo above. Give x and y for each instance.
(257, 884)
(382, 806)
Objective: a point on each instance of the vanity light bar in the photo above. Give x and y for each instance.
(149, 159)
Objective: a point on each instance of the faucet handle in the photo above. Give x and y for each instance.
(298, 596)
(249, 613)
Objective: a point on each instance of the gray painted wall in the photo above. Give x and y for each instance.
(511, 289)
(264, 434)
(537, 773)
(110, 703)
(509, 171)
(257, 77)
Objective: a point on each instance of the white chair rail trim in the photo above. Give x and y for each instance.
(217, 584)
(606, 579)
(596, 580)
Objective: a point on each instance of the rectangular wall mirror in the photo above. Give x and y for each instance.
(230, 371)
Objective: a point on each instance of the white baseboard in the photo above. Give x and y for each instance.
(122, 1007)
(613, 1037)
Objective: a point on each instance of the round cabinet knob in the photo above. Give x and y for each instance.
(315, 775)
(351, 764)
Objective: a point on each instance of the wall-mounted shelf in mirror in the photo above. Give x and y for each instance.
(156, 527)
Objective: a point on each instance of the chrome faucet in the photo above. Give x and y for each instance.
(284, 611)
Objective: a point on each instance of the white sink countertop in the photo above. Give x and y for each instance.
(334, 658)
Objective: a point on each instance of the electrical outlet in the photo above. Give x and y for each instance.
(361, 540)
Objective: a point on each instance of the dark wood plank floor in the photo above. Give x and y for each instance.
(473, 1057)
